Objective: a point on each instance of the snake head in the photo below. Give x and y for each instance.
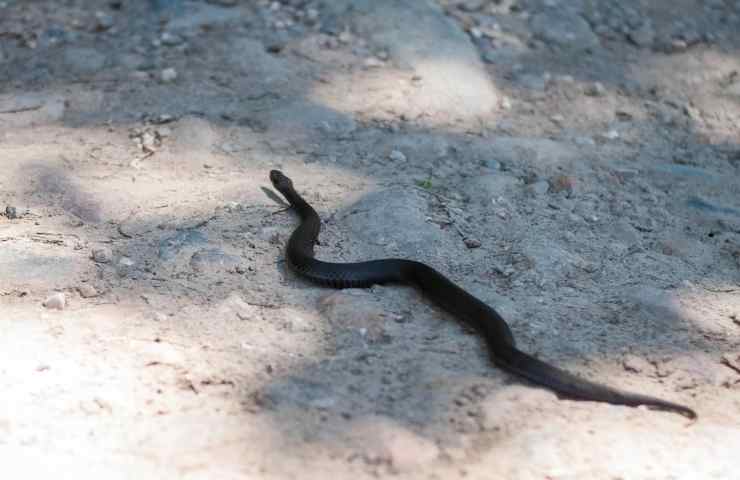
(280, 181)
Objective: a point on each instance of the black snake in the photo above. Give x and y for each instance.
(455, 300)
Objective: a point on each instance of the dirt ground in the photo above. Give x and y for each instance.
(576, 164)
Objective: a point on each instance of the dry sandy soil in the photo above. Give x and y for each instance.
(576, 164)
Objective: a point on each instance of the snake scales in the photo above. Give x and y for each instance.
(443, 292)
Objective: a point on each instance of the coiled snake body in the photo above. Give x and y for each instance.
(450, 297)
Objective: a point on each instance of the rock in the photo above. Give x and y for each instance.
(564, 28)
(103, 20)
(83, 61)
(397, 156)
(102, 255)
(168, 75)
(353, 309)
(392, 220)
(171, 246)
(56, 301)
(643, 36)
(87, 291)
(213, 260)
(633, 363)
(472, 243)
(416, 36)
(596, 89)
(539, 188)
(11, 212)
(532, 82)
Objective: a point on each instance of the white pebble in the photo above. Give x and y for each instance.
(397, 156)
(168, 75)
(56, 301)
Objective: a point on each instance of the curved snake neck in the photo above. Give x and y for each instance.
(450, 297)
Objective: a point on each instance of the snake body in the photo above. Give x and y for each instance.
(450, 297)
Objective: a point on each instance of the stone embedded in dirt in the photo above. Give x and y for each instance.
(87, 291)
(451, 83)
(397, 156)
(83, 60)
(539, 188)
(212, 260)
(392, 220)
(56, 301)
(169, 247)
(354, 309)
(102, 255)
(596, 89)
(633, 363)
(472, 242)
(104, 21)
(532, 82)
(643, 36)
(564, 28)
(11, 212)
(562, 183)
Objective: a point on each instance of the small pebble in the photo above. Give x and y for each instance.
(170, 39)
(168, 75)
(102, 255)
(104, 21)
(397, 156)
(472, 243)
(596, 89)
(56, 301)
(11, 212)
(87, 291)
